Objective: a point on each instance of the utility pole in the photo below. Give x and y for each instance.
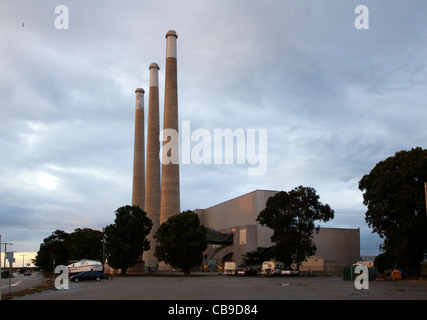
(103, 249)
(53, 271)
(425, 192)
(5, 245)
(23, 255)
(11, 259)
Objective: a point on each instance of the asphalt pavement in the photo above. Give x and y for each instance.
(221, 287)
(19, 282)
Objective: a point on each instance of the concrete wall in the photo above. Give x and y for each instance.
(238, 216)
(239, 211)
(337, 244)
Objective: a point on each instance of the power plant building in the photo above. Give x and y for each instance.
(336, 247)
(233, 229)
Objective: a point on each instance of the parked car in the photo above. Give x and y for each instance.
(87, 275)
(230, 268)
(250, 272)
(27, 272)
(241, 272)
(290, 272)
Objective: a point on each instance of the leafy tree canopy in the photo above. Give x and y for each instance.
(84, 244)
(52, 248)
(394, 194)
(126, 238)
(62, 246)
(291, 215)
(181, 241)
(258, 256)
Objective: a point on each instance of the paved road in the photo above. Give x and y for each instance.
(20, 282)
(234, 288)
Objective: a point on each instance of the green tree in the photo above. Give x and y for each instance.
(258, 256)
(63, 246)
(52, 248)
(383, 262)
(394, 196)
(291, 216)
(181, 241)
(126, 238)
(84, 244)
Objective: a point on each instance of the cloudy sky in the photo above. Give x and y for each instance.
(334, 100)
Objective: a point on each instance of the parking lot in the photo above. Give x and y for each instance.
(221, 287)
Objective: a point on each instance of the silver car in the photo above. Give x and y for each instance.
(290, 272)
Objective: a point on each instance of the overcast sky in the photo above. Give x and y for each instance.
(334, 100)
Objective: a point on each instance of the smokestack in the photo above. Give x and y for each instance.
(152, 191)
(170, 202)
(138, 190)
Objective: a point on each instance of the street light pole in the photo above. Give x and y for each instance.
(103, 249)
(425, 191)
(23, 255)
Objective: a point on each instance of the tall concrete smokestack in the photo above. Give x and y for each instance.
(152, 190)
(170, 202)
(138, 189)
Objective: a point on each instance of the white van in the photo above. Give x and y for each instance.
(230, 268)
(272, 268)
